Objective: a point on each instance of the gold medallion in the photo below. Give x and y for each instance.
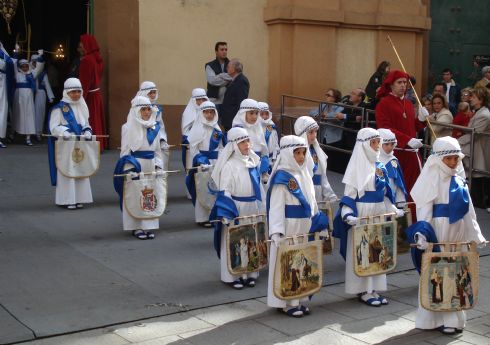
(394, 164)
(66, 109)
(292, 184)
(77, 155)
(379, 172)
(315, 158)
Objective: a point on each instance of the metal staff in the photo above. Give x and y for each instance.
(414, 91)
(300, 235)
(241, 217)
(149, 173)
(448, 243)
(75, 135)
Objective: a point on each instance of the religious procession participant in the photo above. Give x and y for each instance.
(43, 90)
(205, 141)
(23, 111)
(149, 89)
(140, 152)
(393, 167)
(247, 118)
(307, 128)
(291, 187)
(446, 214)
(240, 194)
(7, 82)
(69, 119)
(188, 117)
(270, 132)
(367, 193)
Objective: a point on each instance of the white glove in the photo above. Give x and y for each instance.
(415, 143)
(134, 174)
(265, 178)
(351, 220)
(67, 135)
(276, 239)
(163, 145)
(422, 243)
(205, 167)
(87, 135)
(225, 221)
(401, 204)
(17, 47)
(482, 245)
(40, 51)
(399, 213)
(423, 114)
(333, 198)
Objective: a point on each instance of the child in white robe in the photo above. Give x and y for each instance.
(139, 146)
(247, 117)
(240, 192)
(205, 141)
(395, 172)
(290, 170)
(43, 91)
(7, 75)
(270, 132)
(446, 214)
(367, 193)
(307, 128)
(149, 89)
(67, 119)
(23, 111)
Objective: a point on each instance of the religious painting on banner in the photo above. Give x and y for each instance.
(77, 158)
(374, 247)
(402, 224)
(145, 197)
(247, 247)
(449, 280)
(204, 184)
(299, 269)
(328, 241)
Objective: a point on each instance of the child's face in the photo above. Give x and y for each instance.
(75, 95)
(244, 147)
(145, 113)
(208, 114)
(264, 115)
(451, 161)
(24, 68)
(299, 155)
(152, 94)
(388, 147)
(311, 136)
(251, 116)
(200, 100)
(374, 143)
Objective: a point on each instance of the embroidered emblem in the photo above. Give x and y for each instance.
(215, 135)
(65, 108)
(379, 172)
(394, 164)
(269, 128)
(148, 200)
(77, 155)
(315, 158)
(292, 184)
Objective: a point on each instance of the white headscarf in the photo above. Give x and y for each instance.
(190, 111)
(79, 107)
(265, 107)
(235, 136)
(145, 88)
(24, 62)
(136, 126)
(257, 136)
(387, 137)
(285, 161)
(426, 188)
(361, 168)
(198, 130)
(302, 126)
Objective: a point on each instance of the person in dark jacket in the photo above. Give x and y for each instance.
(375, 82)
(235, 93)
(216, 75)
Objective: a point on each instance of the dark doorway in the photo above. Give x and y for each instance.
(52, 22)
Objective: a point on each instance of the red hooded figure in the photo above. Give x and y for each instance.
(396, 113)
(91, 68)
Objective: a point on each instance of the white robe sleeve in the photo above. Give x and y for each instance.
(2, 63)
(158, 154)
(55, 126)
(277, 211)
(49, 91)
(226, 181)
(39, 68)
(472, 227)
(125, 150)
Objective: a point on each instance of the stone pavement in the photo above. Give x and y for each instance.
(70, 271)
(336, 318)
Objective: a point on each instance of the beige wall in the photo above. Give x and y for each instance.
(177, 38)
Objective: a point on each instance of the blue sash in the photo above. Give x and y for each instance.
(151, 133)
(397, 175)
(425, 229)
(118, 181)
(315, 161)
(190, 182)
(458, 204)
(264, 163)
(269, 132)
(143, 154)
(10, 75)
(224, 207)
(216, 137)
(340, 228)
(317, 180)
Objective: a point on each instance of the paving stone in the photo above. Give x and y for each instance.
(99, 337)
(173, 339)
(404, 279)
(222, 314)
(357, 310)
(162, 327)
(237, 333)
(330, 337)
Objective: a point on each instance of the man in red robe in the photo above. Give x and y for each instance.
(90, 75)
(395, 112)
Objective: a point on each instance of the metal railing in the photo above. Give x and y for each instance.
(368, 120)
